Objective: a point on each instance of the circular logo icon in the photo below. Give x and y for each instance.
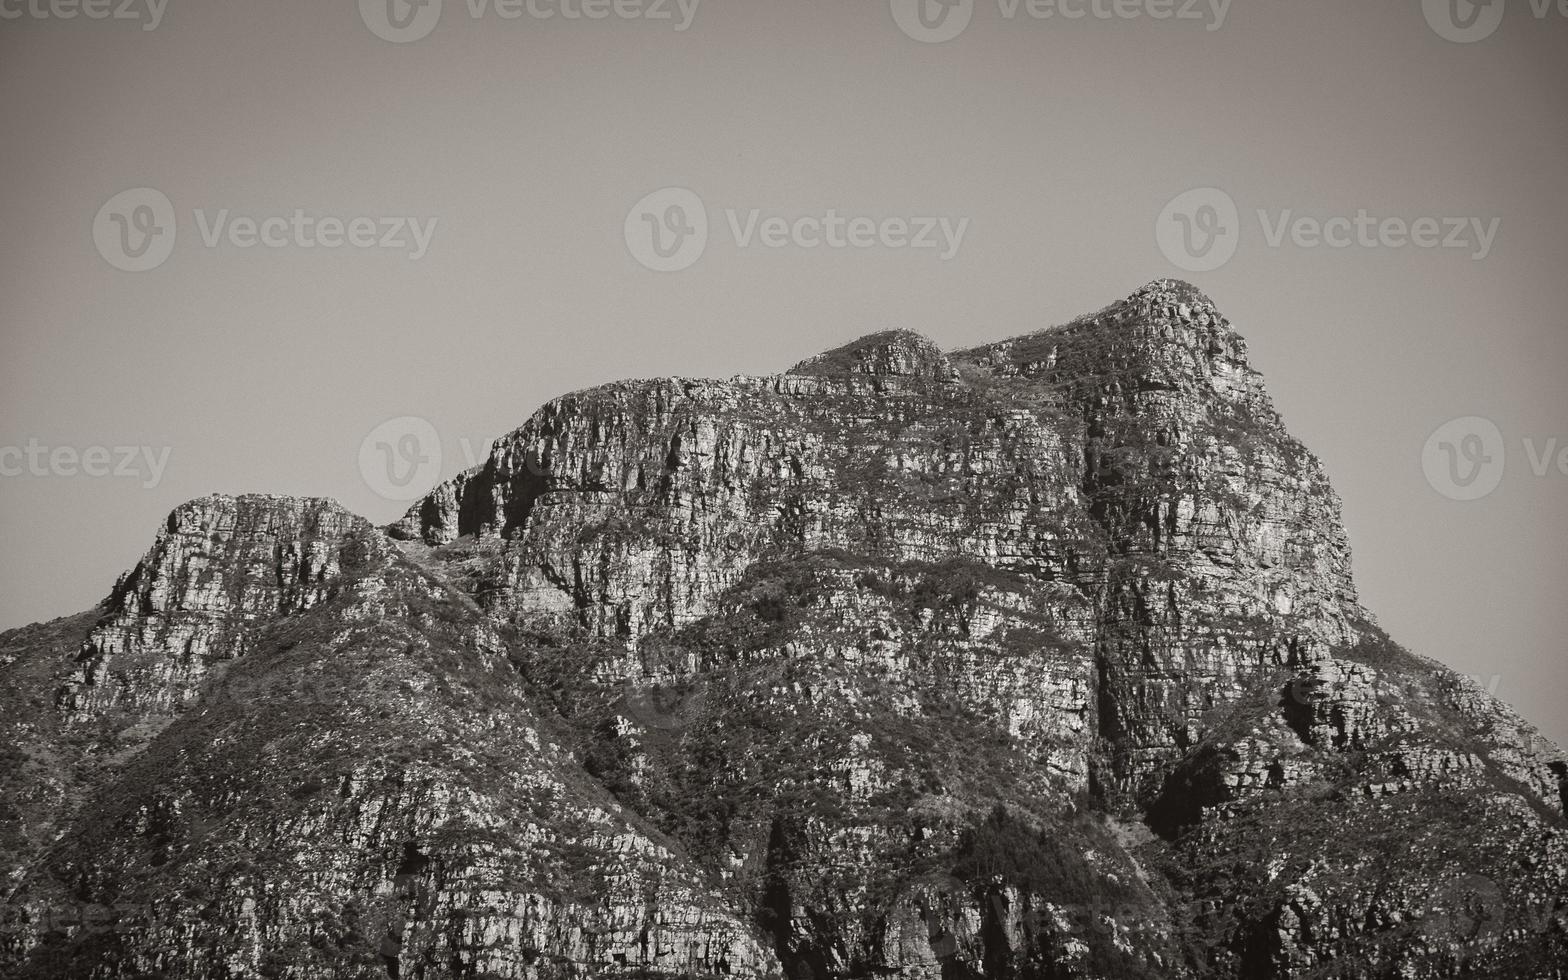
(656, 709)
(1463, 21)
(1465, 458)
(1199, 230)
(658, 698)
(668, 230)
(401, 458)
(1471, 908)
(400, 21)
(134, 230)
(932, 21)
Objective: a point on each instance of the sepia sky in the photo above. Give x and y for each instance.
(432, 211)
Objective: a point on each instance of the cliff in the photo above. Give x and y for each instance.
(1040, 659)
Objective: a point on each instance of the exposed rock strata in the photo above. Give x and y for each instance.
(1041, 659)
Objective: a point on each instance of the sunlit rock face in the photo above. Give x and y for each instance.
(1038, 659)
(220, 567)
(1130, 461)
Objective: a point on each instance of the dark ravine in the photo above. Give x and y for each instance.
(1037, 660)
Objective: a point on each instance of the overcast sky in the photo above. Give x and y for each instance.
(498, 166)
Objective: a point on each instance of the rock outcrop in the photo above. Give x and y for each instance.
(1039, 659)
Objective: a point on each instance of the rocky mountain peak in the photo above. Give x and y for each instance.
(1041, 658)
(218, 567)
(889, 353)
(1166, 290)
(1167, 334)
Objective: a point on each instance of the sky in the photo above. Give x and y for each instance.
(239, 238)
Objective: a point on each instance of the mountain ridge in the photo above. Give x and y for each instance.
(1011, 661)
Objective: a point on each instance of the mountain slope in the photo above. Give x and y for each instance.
(1041, 659)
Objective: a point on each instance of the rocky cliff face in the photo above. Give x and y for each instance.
(1041, 659)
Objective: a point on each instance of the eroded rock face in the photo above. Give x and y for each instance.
(1132, 456)
(891, 354)
(1037, 659)
(1334, 704)
(220, 567)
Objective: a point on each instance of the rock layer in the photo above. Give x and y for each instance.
(1039, 659)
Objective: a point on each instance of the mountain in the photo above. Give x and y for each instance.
(1037, 660)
